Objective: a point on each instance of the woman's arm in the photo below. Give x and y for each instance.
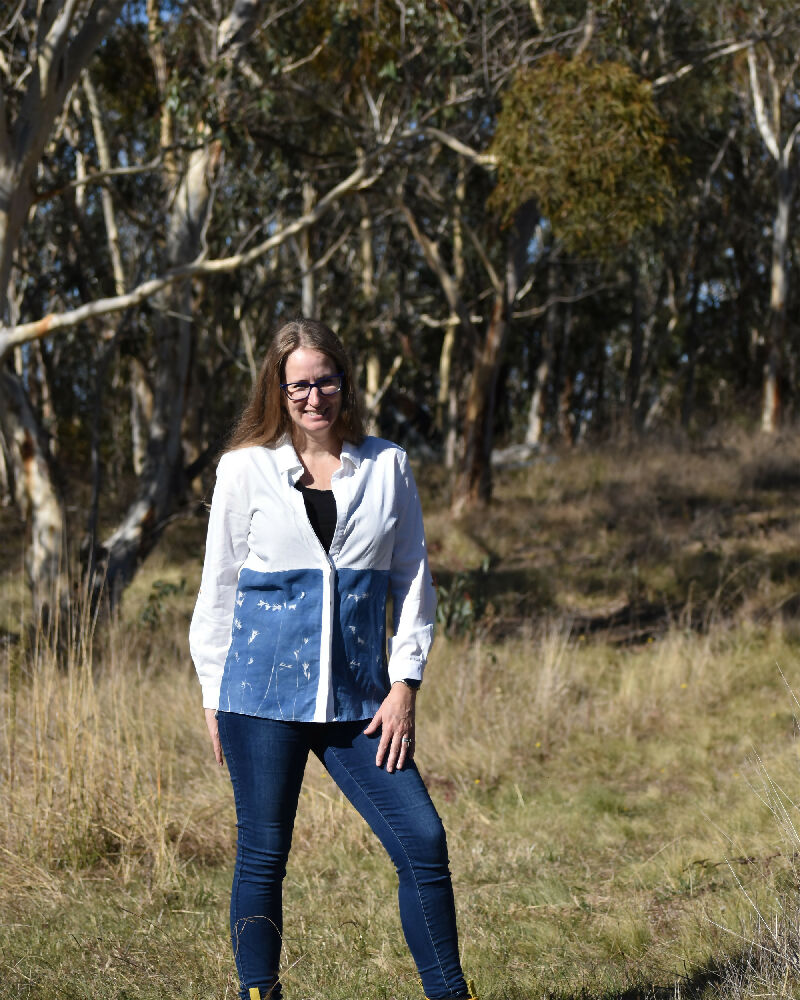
(226, 550)
(413, 594)
(414, 603)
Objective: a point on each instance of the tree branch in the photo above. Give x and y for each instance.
(482, 159)
(786, 152)
(767, 134)
(97, 177)
(538, 16)
(589, 26)
(104, 158)
(5, 148)
(11, 337)
(373, 404)
(236, 29)
(537, 311)
(494, 277)
(431, 252)
(726, 50)
(60, 62)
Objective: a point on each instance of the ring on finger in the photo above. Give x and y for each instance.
(406, 740)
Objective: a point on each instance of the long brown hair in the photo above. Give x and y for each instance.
(265, 419)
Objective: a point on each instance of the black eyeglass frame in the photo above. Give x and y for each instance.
(314, 385)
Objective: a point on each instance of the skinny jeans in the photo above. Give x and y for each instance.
(266, 760)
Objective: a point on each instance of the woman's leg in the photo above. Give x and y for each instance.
(399, 810)
(266, 759)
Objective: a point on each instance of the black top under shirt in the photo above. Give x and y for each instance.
(321, 510)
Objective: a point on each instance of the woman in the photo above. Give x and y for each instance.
(311, 525)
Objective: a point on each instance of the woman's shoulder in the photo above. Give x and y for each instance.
(384, 461)
(238, 461)
(375, 448)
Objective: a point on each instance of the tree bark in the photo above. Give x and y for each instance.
(161, 486)
(62, 50)
(40, 503)
(473, 486)
(61, 54)
(779, 282)
(543, 373)
(768, 121)
(447, 399)
(634, 373)
(372, 361)
(308, 284)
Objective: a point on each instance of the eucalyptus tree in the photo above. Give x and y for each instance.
(41, 59)
(566, 139)
(156, 234)
(241, 129)
(773, 64)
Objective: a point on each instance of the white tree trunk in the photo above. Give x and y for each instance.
(161, 479)
(308, 284)
(67, 36)
(779, 282)
(447, 400)
(372, 362)
(767, 113)
(535, 428)
(141, 413)
(38, 500)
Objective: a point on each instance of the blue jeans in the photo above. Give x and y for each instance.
(266, 759)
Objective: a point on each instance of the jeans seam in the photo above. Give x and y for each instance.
(405, 852)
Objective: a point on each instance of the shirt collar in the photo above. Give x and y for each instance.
(288, 462)
(286, 456)
(352, 453)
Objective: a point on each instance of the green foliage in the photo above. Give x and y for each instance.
(585, 140)
(460, 603)
(369, 43)
(155, 605)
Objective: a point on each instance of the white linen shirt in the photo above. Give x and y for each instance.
(284, 630)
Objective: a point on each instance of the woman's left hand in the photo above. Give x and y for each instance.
(395, 719)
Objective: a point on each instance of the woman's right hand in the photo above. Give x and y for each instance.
(213, 732)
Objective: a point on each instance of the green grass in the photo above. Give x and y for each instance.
(619, 802)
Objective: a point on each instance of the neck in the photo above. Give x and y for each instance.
(312, 447)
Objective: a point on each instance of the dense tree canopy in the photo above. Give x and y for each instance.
(530, 221)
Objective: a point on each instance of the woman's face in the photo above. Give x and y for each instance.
(316, 415)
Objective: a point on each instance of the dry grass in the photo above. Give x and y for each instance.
(591, 798)
(611, 832)
(627, 543)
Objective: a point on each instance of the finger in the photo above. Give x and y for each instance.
(395, 752)
(406, 751)
(383, 747)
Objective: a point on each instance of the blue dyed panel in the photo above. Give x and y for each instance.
(360, 675)
(272, 667)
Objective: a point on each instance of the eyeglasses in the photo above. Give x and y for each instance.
(327, 386)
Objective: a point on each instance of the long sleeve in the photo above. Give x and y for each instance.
(226, 550)
(413, 593)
